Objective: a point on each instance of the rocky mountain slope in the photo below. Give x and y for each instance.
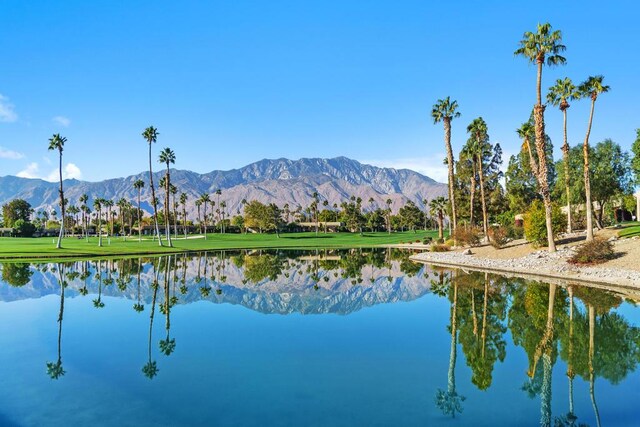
(280, 181)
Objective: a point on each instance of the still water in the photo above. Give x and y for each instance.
(306, 338)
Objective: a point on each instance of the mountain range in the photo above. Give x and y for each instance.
(277, 181)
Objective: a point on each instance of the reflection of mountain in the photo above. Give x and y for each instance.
(301, 286)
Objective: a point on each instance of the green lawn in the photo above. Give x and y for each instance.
(630, 229)
(39, 248)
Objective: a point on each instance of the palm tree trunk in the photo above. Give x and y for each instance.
(447, 142)
(451, 378)
(153, 200)
(440, 226)
(538, 116)
(59, 244)
(100, 227)
(587, 181)
(485, 221)
(139, 218)
(473, 193)
(167, 209)
(565, 155)
(184, 219)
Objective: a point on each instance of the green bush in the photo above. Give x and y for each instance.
(535, 227)
(467, 236)
(439, 248)
(499, 237)
(23, 228)
(593, 252)
(516, 232)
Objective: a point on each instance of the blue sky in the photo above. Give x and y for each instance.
(231, 82)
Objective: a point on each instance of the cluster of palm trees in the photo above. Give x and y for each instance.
(542, 47)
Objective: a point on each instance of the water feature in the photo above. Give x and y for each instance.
(331, 337)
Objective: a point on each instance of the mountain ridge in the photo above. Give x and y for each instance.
(268, 180)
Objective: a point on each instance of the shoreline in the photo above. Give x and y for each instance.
(537, 265)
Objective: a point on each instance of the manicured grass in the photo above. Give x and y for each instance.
(630, 229)
(35, 248)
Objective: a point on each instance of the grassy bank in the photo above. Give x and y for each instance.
(630, 229)
(40, 248)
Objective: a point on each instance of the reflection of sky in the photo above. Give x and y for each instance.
(236, 366)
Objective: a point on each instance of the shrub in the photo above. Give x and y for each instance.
(593, 252)
(437, 247)
(427, 240)
(467, 236)
(499, 236)
(535, 227)
(516, 232)
(449, 242)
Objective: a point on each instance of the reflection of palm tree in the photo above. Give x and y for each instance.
(592, 377)
(150, 369)
(450, 401)
(544, 349)
(571, 417)
(168, 345)
(54, 369)
(138, 306)
(97, 303)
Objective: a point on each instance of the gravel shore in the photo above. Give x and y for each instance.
(540, 264)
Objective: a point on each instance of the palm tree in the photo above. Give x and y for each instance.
(83, 200)
(389, 202)
(97, 205)
(204, 199)
(444, 111)
(150, 369)
(559, 95)
(73, 211)
(174, 192)
(479, 137)
(591, 87)
(150, 134)
(218, 193)
(167, 156)
(223, 206)
(109, 204)
(139, 185)
(122, 205)
(543, 46)
(437, 208)
(183, 202)
(198, 204)
(56, 142)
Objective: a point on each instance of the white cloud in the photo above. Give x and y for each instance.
(62, 121)
(431, 166)
(30, 172)
(7, 113)
(71, 171)
(10, 154)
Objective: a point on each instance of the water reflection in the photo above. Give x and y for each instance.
(578, 327)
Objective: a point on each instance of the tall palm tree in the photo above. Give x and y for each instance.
(438, 206)
(168, 157)
(56, 142)
(73, 211)
(479, 138)
(150, 134)
(109, 204)
(139, 185)
(205, 199)
(592, 87)
(174, 193)
(198, 204)
(389, 202)
(444, 111)
(543, 46)
(218, 193)
(223, 206)
(122, 205)
(83, 207)
(559, 95)
(97, 205)
(183, 202)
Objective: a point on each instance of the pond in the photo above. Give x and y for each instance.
(309, 338)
